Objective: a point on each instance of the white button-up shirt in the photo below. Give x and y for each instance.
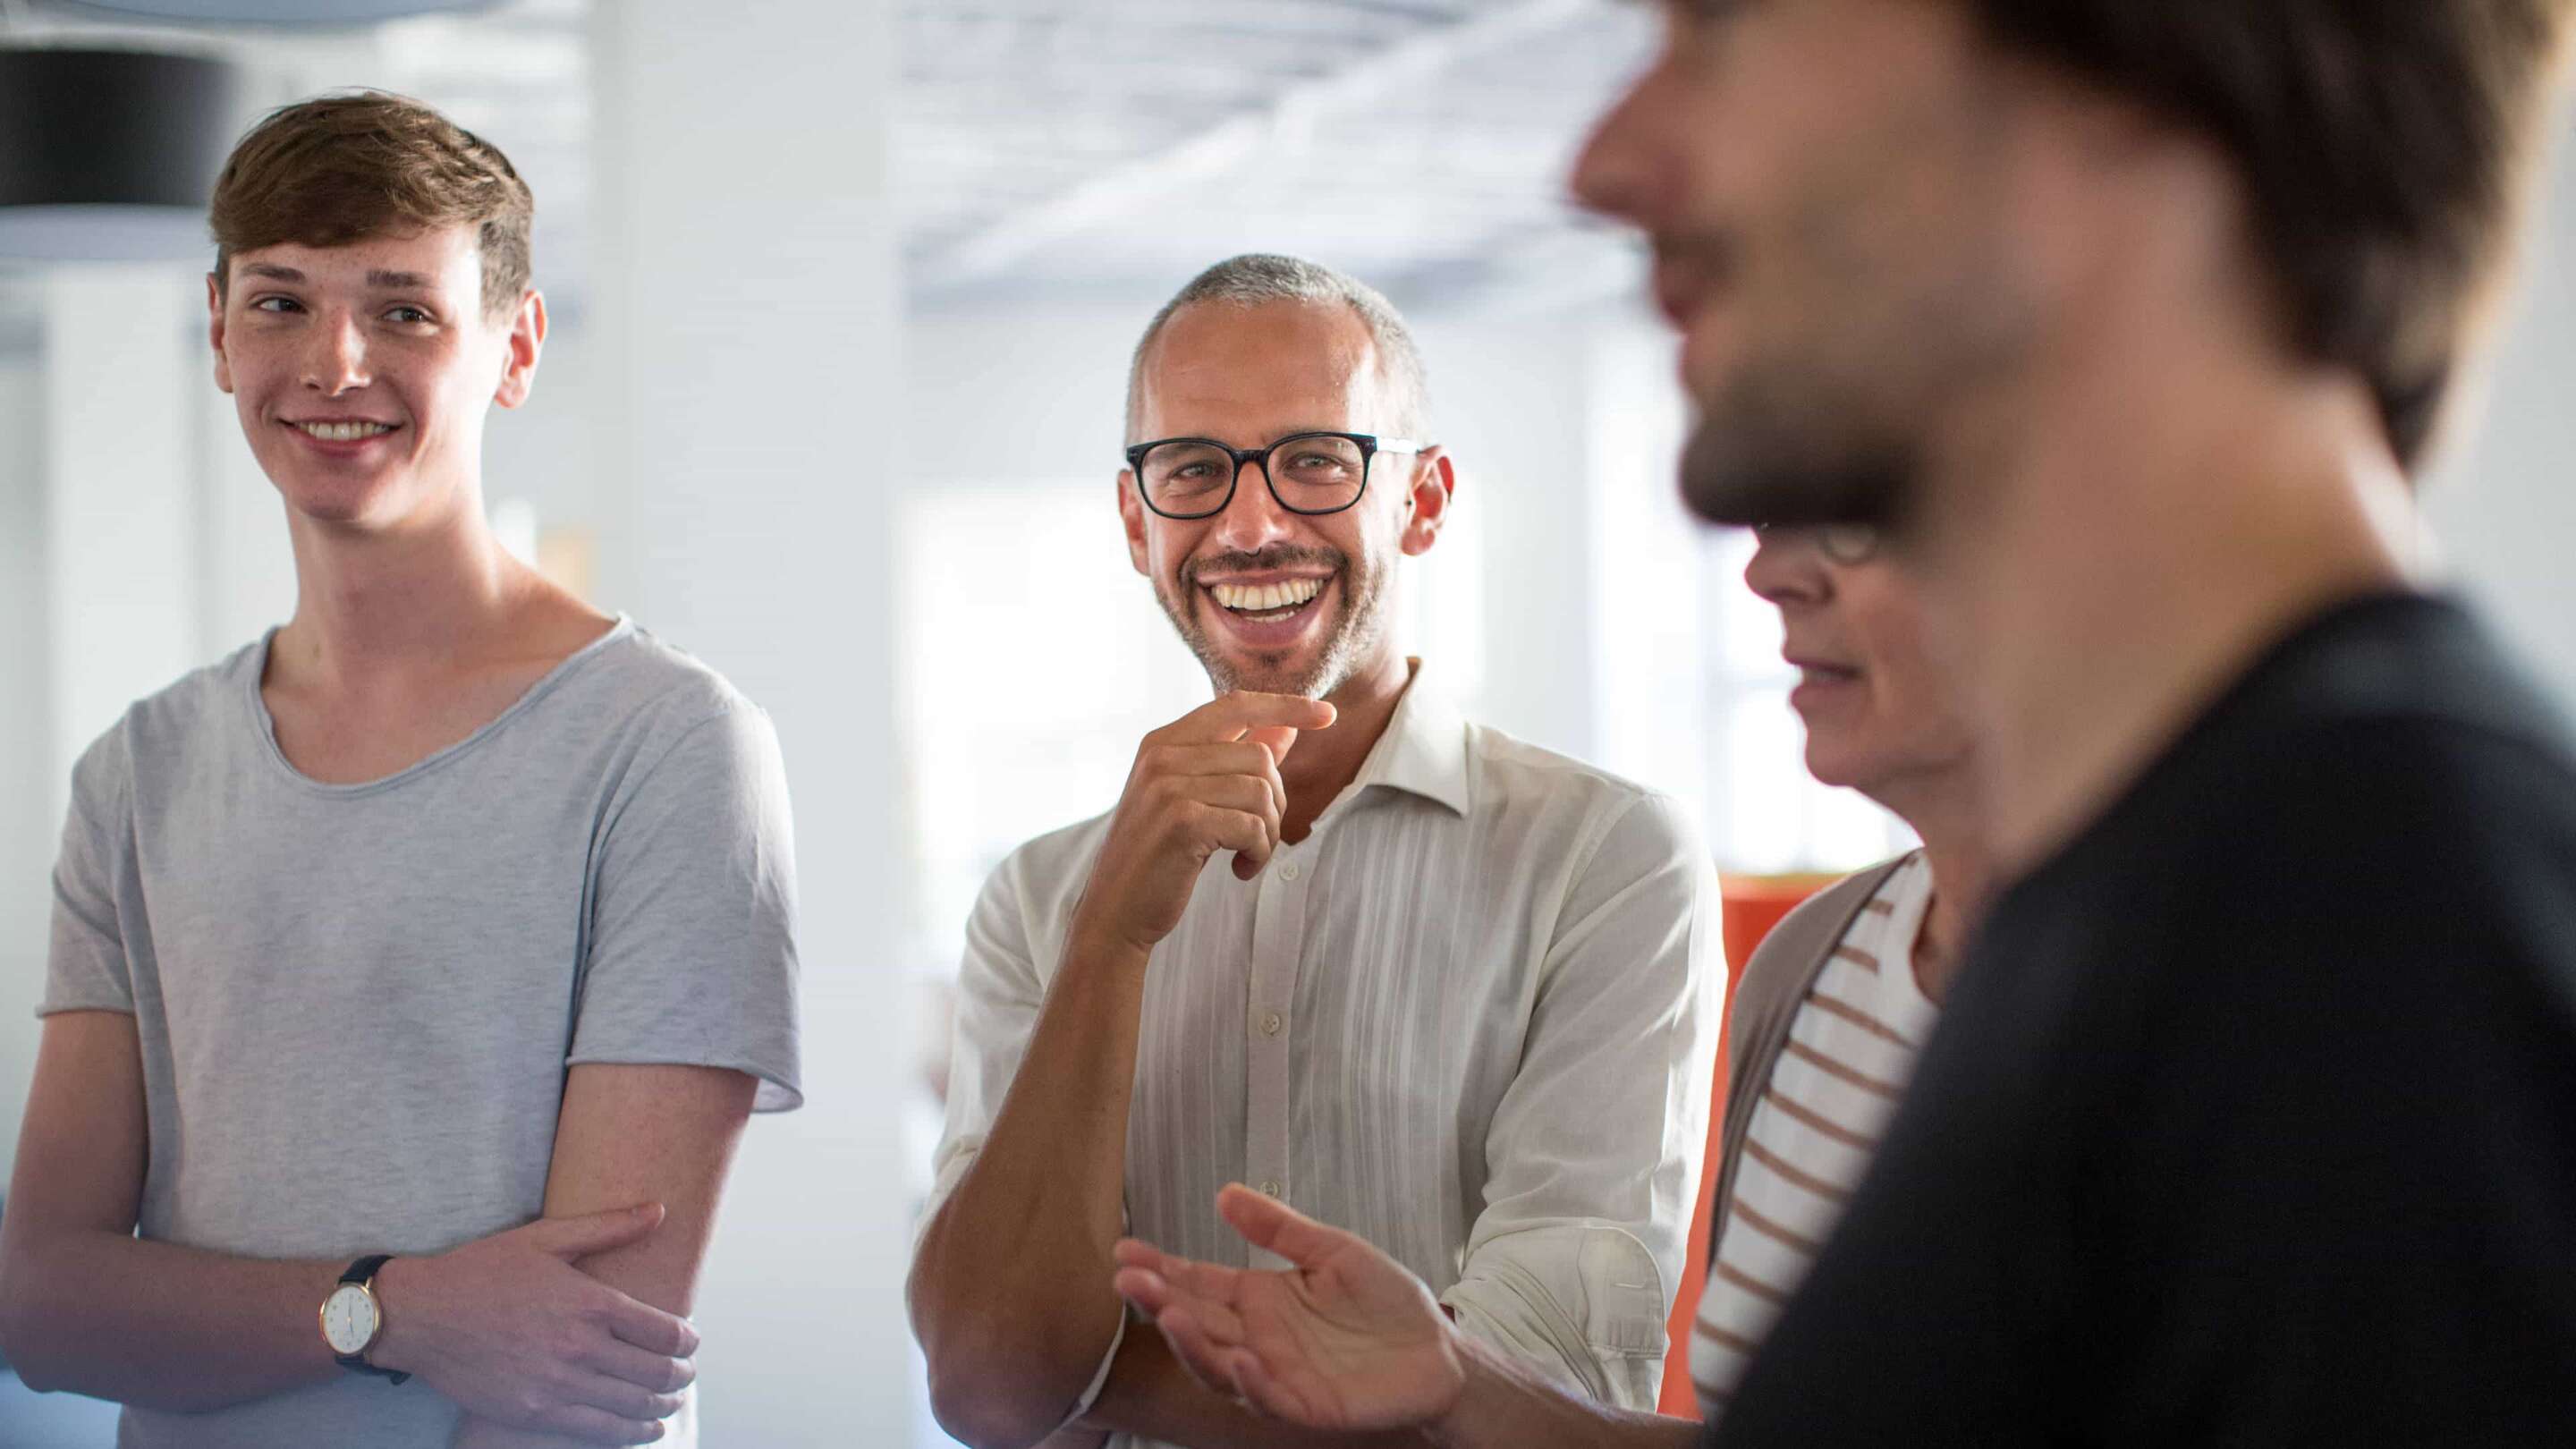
(1471, 1017)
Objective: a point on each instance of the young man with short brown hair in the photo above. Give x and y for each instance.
(416, 966)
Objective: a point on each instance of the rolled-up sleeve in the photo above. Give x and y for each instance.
(1595, 1151)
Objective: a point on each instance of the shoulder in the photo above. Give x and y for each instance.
(1782, 965)
(1817, 924)
(1586, 803)
(634, 674)
(174, 723)
(1044, 875)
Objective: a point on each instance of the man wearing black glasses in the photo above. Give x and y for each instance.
(1450, 992)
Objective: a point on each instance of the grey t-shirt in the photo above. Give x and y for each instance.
(358, 1003)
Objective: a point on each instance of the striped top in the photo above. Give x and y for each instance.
(1850, 1052)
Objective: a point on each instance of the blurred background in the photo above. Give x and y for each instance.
(843, 292)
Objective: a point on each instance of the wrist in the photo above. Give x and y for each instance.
(1484, 1386)
(1100, 945)
(398, 1306)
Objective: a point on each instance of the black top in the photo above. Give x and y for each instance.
(2252, 1115)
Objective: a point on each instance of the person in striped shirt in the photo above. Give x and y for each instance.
(1833, 1007)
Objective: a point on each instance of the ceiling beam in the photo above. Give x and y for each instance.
(1120, 190)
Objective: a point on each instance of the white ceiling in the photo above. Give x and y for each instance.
(1095, 147)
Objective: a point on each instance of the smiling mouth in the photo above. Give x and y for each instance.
(348, 432)
(1266, 603)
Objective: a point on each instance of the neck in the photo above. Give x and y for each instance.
(381, 602)
(1942, 808)
(2157, 518)
(1324, 762)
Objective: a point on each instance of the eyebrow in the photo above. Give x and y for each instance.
(389, 281)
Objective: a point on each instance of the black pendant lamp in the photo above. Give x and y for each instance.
(285, 12)
(109, 155)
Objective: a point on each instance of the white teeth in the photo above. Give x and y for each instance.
(1266, 598)
(345, 432)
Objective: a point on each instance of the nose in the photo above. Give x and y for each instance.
(1616, 173)
(335, 359)
(1252, 517)
(1786, 569)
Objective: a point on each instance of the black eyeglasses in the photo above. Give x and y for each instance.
(1848, 544)
(1307, 472)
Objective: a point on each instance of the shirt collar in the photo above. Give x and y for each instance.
(1424, 749)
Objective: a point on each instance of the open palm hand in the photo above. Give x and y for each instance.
(1343, 1339)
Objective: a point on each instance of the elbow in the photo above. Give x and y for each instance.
(982, 1411)
(21, 1333)
(1007, 1363)
(1001, 1380)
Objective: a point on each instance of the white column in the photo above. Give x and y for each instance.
(744, 318)
(29, 820)
(120, 490)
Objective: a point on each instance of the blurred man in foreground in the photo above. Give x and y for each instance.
(2252, 1115)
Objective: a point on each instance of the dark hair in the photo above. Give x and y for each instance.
(334, 169)
(2381, 144)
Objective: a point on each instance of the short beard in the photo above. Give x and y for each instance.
(1354, 634)
(1773, 454)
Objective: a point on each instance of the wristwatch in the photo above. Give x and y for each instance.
(351, 1318)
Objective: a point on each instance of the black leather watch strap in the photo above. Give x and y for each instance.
(363, 1274)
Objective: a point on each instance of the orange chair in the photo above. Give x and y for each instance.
(1753, 905)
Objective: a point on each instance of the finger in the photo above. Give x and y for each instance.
(645, 1326)
(658, 1372)
(594, 1426)
(1228, 715)
(579, 1237)
(1241, 831)
(1278, 742)
(621, 1400)
(1137, 1253)
(1145, 1288)
(1250, 794)
(1266, 1222)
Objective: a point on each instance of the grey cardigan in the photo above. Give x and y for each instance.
(1783, 969)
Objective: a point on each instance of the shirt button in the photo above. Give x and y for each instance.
(1270, 1187)
(1270, 1023)
(1288, 871)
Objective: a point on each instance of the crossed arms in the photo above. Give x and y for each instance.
(569, 1326)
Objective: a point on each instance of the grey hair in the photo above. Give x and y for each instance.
(1258, 277)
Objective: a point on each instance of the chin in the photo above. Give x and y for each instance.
(1749, 466)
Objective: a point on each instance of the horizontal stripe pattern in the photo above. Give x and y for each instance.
(1850, 1053)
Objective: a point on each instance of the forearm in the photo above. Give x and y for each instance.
(1149, 1394)
(664, 1134)
(161, 1326)
(1011, 1288)
(1507, 1405)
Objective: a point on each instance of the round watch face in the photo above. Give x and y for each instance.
(348, 1318)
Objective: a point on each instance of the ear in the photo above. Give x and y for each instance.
(215, 333)
(1435, 482)
(1131, 517)
(527, 339)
